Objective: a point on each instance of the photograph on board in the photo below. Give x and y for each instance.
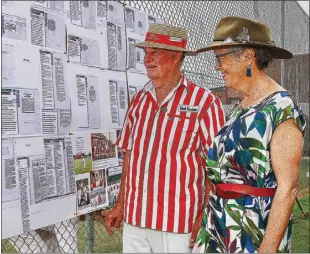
(81, 152)
(83, 191)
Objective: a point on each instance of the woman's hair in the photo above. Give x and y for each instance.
(263, 57)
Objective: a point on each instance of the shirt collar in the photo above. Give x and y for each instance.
(149, 86)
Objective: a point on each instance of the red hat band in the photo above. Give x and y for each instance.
(166, 40)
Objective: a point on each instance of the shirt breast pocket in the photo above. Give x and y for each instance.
(188, 127)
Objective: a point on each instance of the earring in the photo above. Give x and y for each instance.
(248, 71)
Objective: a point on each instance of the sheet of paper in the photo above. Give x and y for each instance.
(37, 179)
(116, 47)
(85, 89)
(64, 120)
(88, 9)
(8, 66)
(47, 29)
(19, 60)
(115, 13)
(46, 59)
(49, 121)
(14, 27)
(114, 175)
(81, 83)
(54, 83)
(55, 5)
(75, 13)
(135, 20)
(135, 55)
(98, 194)
(103, 149)
(115, 107)
(44, 175)
(119, 101)
(9, 175)
(38, 27)
(9, 125)
(83, 50)
(83, 13)
(83, 193)
(23, 173)
(102, 12)
(93, 102)
(90, 52)
(81, 151)
(60, 85)
(55, 31)
(29, 111)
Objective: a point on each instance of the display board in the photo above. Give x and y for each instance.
(69, 70)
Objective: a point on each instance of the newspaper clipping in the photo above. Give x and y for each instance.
(81, 152)
(113, 183)
(47, 29)
(103, 149)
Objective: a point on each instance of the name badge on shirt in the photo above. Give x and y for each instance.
(188, 108)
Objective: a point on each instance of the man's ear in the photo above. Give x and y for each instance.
(178, 57)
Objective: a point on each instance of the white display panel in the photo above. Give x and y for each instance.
(69, 71)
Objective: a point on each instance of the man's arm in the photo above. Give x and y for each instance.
(201, 214)
(211, 122)
(114, 217)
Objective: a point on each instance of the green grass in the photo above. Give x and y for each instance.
(103, 242)
(303, 179)
(301, 227)
(78, 167)
(7, 247)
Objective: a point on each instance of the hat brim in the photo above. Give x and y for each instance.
(276, 52)
(147, 44)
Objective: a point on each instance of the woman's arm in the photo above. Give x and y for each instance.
(286, 152)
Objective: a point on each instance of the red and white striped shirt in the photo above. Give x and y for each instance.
(165, 179)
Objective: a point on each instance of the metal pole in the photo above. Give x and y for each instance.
(89, 247)
(305, 214)
(256, 9)
(282, 41)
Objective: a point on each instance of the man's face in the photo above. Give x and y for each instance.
(159, 63)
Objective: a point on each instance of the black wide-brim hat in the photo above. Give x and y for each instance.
(235, 31)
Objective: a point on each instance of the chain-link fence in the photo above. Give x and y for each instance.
(289, 27)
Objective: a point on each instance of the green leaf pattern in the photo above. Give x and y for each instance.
(240, 154)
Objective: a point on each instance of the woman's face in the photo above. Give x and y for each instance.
(232, 68)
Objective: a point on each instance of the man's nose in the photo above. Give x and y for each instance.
(147, 57)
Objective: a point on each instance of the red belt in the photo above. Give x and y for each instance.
(233, 191)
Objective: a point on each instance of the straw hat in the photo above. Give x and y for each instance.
(234, 31)
(166, 37)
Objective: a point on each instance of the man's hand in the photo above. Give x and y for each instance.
(196, 228)
(113, 218)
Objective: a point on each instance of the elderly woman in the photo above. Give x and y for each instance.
(254, 160)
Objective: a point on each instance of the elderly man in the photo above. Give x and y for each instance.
(166, 135)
